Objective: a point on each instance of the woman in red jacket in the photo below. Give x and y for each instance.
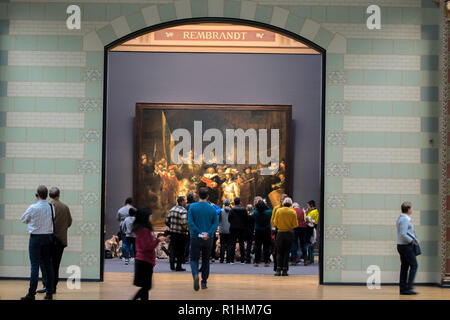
(145, 259)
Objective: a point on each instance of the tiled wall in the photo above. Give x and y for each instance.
(382, 109)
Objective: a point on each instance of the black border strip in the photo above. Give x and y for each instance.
(251, 23)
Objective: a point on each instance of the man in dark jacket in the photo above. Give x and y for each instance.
(238, 219)
(62, 222)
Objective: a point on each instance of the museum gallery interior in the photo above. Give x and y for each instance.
(152, 100)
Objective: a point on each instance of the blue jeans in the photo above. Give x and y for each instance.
(40, 251)
(128, 247)
(299, 235)
(203, 247)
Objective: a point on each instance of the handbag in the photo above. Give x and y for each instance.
(55, 240)
(415, 246)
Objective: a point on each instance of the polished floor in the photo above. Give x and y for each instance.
(174, 286)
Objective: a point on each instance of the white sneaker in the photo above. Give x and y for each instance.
(231, 262)
(126, 262)
(132, 260)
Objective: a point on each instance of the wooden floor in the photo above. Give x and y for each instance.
(168, 286)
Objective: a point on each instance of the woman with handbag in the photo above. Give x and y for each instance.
(408, 248)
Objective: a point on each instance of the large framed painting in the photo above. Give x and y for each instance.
(233, 150)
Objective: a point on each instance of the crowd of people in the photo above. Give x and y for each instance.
(281, 232)
(196, 228)
(243, 233)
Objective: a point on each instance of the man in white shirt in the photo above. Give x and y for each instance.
(39, 217)
(406, 240)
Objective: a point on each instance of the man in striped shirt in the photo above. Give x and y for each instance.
(39, 217)
(177, 227)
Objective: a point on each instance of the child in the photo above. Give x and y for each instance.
(128, 249)
(146, 244)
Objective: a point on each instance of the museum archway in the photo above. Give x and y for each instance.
(220, 74)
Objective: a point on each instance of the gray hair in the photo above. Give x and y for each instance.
(226, 202)
(53, 192)
(256, 200)
(287, 202)
(295, 205)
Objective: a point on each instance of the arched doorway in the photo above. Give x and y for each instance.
(225, 62)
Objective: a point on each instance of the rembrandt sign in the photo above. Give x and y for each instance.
(215, 35)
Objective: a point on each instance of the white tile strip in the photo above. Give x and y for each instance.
(388, 277)
(381, 124)
(15, 211)
(45, 119)
(381, 93)
(31, 181)
(15, 271)
(356, 3)
(381, 155)
(57, 27)
(47, 58)
(46, 89)
(74, 244)
(375, 217)
(101, 1)
(387, 31)
(366, 3)
(44, 150)
(16, 242)
(381, 62)
(20, 243)
(76, 211)
(24, 271)
(369, 248)
(381, 186)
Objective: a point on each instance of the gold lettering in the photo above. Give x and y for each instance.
(215, 35)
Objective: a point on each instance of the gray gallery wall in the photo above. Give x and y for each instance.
(211, 78)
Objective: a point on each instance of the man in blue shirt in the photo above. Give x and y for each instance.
(39, 218)
(406, 239)
(203, 222)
